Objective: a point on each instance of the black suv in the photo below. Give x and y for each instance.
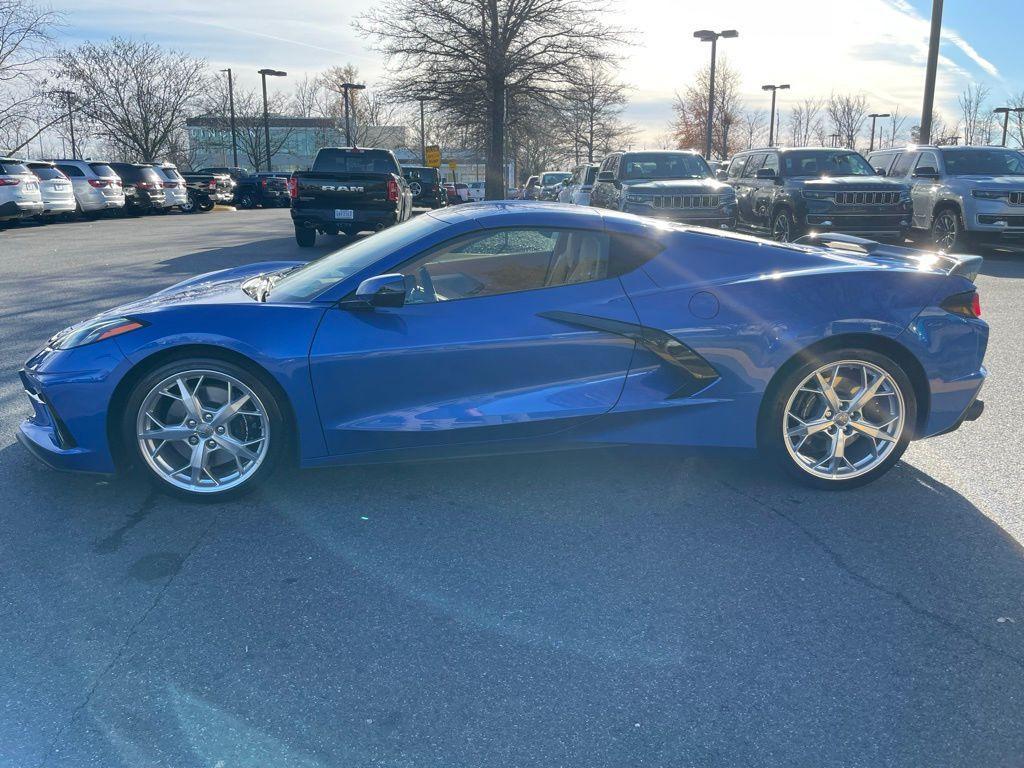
(143, 187)
(254, 189)
(425, 185)
(788, 192)
(667, 184)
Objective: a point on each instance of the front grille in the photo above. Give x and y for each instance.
(867, 198)
(685, 201)
(1017, 198)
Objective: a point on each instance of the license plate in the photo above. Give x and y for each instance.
(60, 187)
(343, 214)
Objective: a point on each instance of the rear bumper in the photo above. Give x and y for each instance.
(55, 207)
(320, 218)
(17, 209)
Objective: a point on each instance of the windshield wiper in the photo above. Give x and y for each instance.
(260, 286)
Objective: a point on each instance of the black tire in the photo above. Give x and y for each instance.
(189, 206)
(948, 231)
(278, 437)
(771, 430)
(246, 201)
(784, 228)
(305, 237)
(205, 205)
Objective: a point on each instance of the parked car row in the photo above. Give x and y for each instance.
(950, 195)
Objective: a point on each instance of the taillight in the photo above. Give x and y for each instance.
(213, 184)
(264, 183)
(293, 187)
(966, 304)
(98, 183)
(9, 182)
(392, 191)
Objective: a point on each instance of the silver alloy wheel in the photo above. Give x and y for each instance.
(843, 420)
(203, 431)
(947, 229)
(781, 228)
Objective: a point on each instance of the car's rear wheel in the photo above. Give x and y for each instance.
(204, 429)
(842, 419)
(246, 201)
(305, 237)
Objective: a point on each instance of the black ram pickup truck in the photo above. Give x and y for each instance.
(206, 190)
(348, 190)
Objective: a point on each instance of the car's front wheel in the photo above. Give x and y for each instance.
(784, 226)
(948, 232)
(840, 420)
(203, 428)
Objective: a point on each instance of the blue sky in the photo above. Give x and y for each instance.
(873, 46)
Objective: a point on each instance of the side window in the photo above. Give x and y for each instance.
(736, 166)
(753, 165)
(927, 160)
(902, 165)
(71, 171)
(772, 162)
(881, 161)
(508, 261)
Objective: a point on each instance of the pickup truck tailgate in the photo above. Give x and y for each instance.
(336, 190)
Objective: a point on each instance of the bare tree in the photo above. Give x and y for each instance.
(472, 56)
(941, 133)
(26, 35)
(1016, 133)
(896, 123)
(250, 132)
(753, 124)
(135, 93)
(691, 107)
(806, 125)
(847, 113)
(975, 119)
(594, 101)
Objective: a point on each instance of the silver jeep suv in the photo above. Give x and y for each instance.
(961, 195)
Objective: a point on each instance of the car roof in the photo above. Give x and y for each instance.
(513, 213)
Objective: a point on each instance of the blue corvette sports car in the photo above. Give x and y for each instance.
(520, 326)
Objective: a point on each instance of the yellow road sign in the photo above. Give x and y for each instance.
(433, 158)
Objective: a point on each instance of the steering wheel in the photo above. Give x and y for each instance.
(426, 284)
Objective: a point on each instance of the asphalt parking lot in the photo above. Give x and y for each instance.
(602, 608)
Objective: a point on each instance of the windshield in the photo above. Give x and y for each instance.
(825, 163)
(664, 165)
(316, 277)
(354, 161)
(553, 178)
(13, 169)
(983, 162)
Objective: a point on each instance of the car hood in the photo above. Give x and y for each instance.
(676, 186)
(839, 183)
(222, 286)
(991, 182)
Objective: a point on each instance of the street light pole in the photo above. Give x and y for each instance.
(346, 87)
(266, 117)
(423, 128)
(874, 116)
(925, 132)
(707, 36)
(68, 96)
(231, 104)
(771, 122)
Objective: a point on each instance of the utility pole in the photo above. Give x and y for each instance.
(231, 103)
(707, 36)
(264, 73)
(771, 121)
(929, 77)
(423, 128)
(68, 96)
(874, 116)
(346, 87)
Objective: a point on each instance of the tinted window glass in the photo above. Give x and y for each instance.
(902, 165)
(506, 261)
(317, 276)
(102, 169)
(170, 173)
(772, 162)
(355, 161)
(736, 166)
(548, 179)
(983, 162)
(591, 175)
(881, 161)
(46, 172)
(753, 164)
(71, 171)
(824, 162)
(426, 175)
(13, 169)
(927, 160)
(653, 165)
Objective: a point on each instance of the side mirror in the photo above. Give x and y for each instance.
(926, 172)
(606, 176)
(880, 171)
(722, 175)
(380, 291)
(765, 173)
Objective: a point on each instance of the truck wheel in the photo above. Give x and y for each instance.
(784, 226)
(948, 231)
(246, 201)
(205, 205)
(305, 237)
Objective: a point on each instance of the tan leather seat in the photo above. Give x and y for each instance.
(582, 259)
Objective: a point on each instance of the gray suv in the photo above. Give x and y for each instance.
(961, 195)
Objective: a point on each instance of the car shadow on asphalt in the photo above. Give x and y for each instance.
(549, 591)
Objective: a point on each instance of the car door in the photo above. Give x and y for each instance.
(475, 354)
(746, 188)
(923, 190)
(765, 191)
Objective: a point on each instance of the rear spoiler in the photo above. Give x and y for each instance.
(964, 265)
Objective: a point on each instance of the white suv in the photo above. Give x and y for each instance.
(175, 193)
(97, 187)
(55, 187)
(19, 191)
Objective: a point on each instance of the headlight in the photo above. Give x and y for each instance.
(636, 199)
(986, 194)
(814, 194)
(93, 330)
